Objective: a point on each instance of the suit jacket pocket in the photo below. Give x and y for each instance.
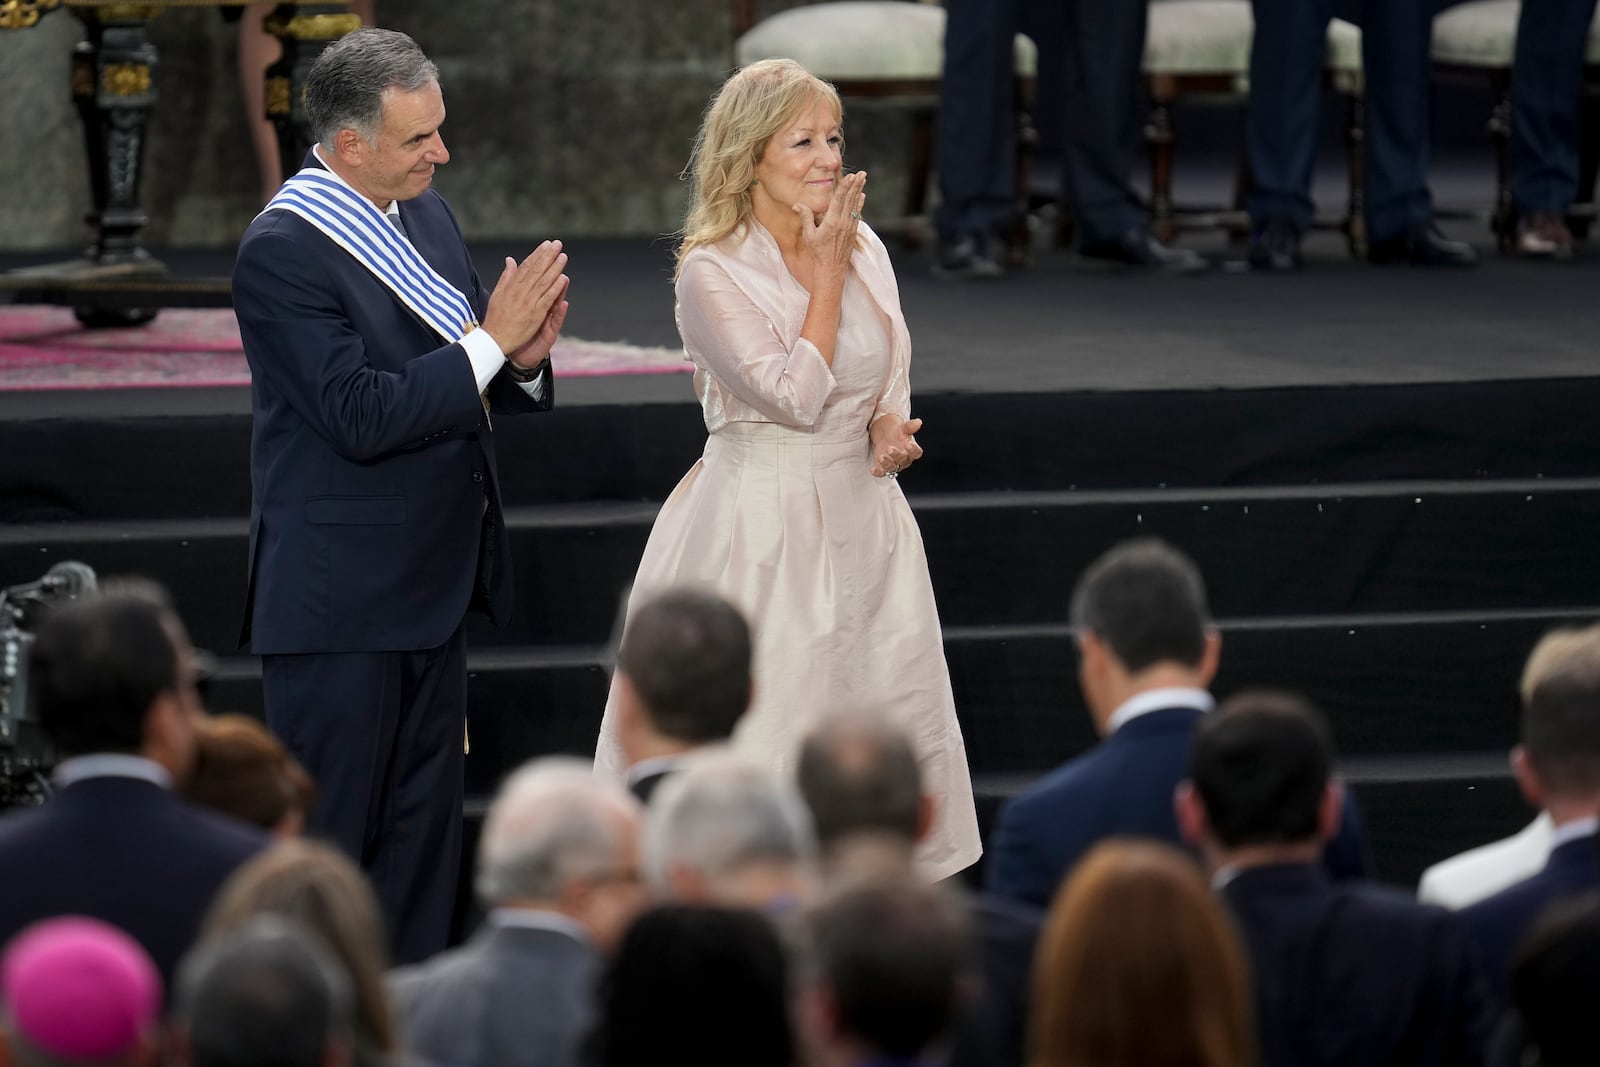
(356, 510)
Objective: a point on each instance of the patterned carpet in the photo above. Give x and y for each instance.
(46, 348)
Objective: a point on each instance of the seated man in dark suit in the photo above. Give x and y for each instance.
(1344, 974)
(114, 683)
(559, 866)
(1147, 652)
(859, 776)
(268, 993)
(890, 957)
(683, 682)
(1557, 766)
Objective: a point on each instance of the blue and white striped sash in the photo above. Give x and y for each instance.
(355, 224)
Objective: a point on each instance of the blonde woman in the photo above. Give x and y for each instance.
(788, 307)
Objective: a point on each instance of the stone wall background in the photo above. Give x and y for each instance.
(565, 119)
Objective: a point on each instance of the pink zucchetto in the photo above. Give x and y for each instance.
(79, 989)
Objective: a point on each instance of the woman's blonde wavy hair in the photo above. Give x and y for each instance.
(751, 106)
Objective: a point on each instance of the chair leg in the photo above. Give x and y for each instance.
(1243, 179)
(1503, 222)
(1355, 135)
(918, 174)
(1019, 239)
(1159, 135)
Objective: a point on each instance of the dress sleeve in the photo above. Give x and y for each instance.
(741, 348)
(896, 396)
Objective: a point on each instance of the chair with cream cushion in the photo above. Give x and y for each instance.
(1477, 41)
(882, 50)
(1198, 51)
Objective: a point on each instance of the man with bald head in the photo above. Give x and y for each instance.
(558, 867)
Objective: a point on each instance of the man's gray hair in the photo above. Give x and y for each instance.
(720, 816)
(552, 822)
(346, 85)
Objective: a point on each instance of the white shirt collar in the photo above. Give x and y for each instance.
(1576, 830)
(316, 150)
(654, 765)
(111, 765)
(1177, 696)
(534, 919)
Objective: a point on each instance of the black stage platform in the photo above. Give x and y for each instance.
(1388, 475)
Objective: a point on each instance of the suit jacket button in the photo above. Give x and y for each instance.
(477, 476)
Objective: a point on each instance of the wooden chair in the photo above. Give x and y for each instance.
(1198, 51)
(885, 51)
(1476, 42)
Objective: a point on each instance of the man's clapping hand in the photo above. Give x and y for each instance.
(529, 304)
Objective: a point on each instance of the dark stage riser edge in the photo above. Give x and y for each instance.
(1391, 551)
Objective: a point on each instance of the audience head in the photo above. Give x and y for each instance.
(1138, 966)
(1140, 619)
(892, 967)
(726, 832)
(753, 106)
(1555, 983)
(674, 962)
(1558, 762)
(266, 994)
(859, 776)
(77, 991)
(315, 887)
(115, 674)
(243, 771)
(683, 674)
(1260, 785)
(559, 839)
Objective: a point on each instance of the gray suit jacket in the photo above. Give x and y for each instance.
(510, 997)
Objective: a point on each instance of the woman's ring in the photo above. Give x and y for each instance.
(855, 214)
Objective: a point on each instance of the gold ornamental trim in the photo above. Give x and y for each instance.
(125, 12)
(21, 14)
(313, 27)
(126, 79)
(277, 96)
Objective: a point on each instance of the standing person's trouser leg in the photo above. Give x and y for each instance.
(381, 734)
(1105, 45)
(1286, 64)
(976, 143)
(1395, 35)
(1546, 96)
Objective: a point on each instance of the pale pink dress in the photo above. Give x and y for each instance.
(781, 515)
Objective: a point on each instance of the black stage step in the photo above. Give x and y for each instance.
(72, 461)
(996, 558)
(1391, 551)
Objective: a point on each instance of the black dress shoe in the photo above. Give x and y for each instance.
(1139, 248)
(1422, 247)
(966, 256)
(1275, 248)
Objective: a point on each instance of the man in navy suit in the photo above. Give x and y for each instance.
(1285, 92)
(860, 779)
(376, 357)
(1557, 766)
(1147, 652)
(1346, 975)
(114, 681)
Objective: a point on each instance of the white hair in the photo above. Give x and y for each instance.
(720, 816)
(552, 821)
